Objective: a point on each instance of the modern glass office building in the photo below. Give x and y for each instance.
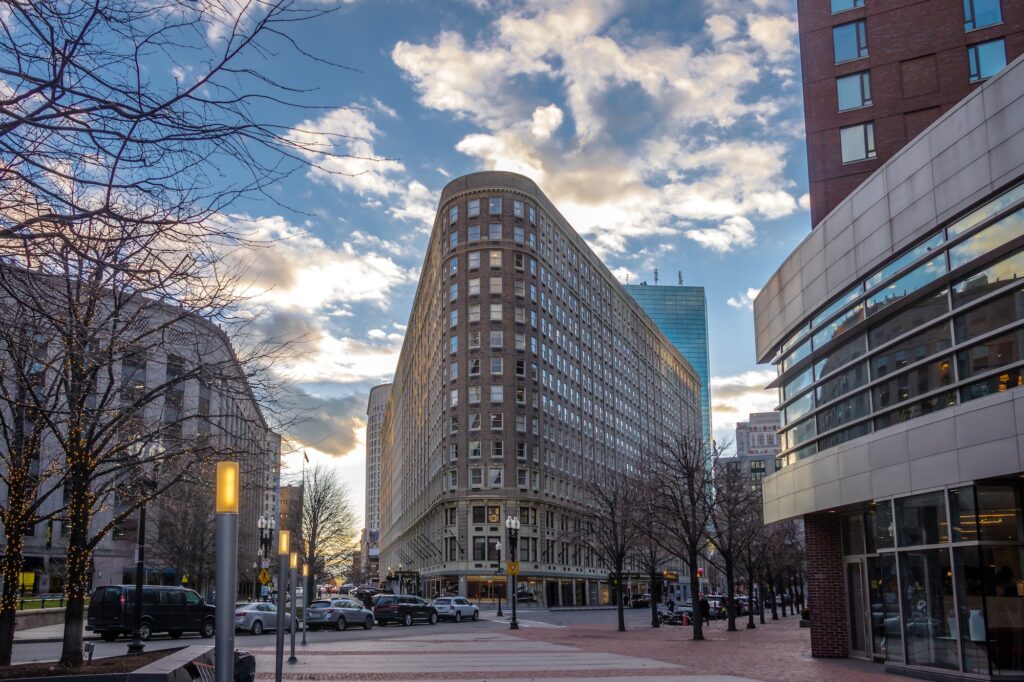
(682, 315)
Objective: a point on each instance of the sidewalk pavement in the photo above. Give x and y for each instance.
(47, 633)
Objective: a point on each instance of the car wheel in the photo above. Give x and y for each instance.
(368, 623)
(175, 634)
(458, 616)
(433, 619)
(257, 627)
(145, 631)
(341, 624)
(476, 615)
(208, 628)
(108, 636)
(407, 619)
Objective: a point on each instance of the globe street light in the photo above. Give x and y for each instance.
(512, 526)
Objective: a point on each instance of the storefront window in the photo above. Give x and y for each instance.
(885, 613)
(999, 513)
(964, 516)
(921, 520)
(990, 589)
(883, 525)
(929, 620)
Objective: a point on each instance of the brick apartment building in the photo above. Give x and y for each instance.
(876, 73)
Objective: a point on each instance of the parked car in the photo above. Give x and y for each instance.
(258, 617)
(338, 614)
(402, 608)
(456, 608)
(641, 601)
(174, 610)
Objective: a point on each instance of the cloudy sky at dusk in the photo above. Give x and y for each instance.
(669, 134)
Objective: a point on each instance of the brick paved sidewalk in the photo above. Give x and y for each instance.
(772, 652)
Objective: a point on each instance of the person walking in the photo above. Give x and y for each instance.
(705, 610)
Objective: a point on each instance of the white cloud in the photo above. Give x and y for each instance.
(545, 121)
(775, 34)
(805, 202)
(721, 27)
(733, 232)
(733, 398)
(744, 300)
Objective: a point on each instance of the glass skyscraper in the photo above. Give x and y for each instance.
(682, 314)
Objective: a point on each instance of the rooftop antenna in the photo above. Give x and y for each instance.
(655, 276)
(680, 273)
(627, 278)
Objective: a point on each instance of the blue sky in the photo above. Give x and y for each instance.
(668, 132)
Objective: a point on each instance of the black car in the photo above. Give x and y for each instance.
(402, 608)
(173, 610)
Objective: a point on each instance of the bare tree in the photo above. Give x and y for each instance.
(648, 556)
(114, 182)
(185, 537)
(329, 525)
(609, 528)
(681, 467)
(736, 519)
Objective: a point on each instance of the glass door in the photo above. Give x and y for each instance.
(856, 591)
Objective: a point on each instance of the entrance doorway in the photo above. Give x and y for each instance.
(858, 609)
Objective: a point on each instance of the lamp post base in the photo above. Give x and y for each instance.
(136, 647)
(292, 659)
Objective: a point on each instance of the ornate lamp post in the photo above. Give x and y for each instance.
(226, 533)
(512, 526)
(497, 548)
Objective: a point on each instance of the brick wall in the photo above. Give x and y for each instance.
(826, 596)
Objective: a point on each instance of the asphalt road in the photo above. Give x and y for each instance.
(50, 651)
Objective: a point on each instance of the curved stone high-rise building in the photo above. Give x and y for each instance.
(525, 368)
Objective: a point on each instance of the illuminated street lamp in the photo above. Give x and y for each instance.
(226, 533)
(292, 565)
(283, 542)
(305, 600)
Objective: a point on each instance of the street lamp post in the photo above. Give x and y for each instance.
(512, 525)
(266, 525)
(226, 534)
(136, 646)
(497, 548)
(283, 542)
(305, 599)
(293, 564)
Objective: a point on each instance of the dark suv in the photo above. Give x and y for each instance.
(402, 608)
(173, 610)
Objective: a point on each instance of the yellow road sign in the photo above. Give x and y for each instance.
(512, 568)
(264, 577)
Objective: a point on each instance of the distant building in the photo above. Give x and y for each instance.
(369, 551)
(681, 312)
(757, 446)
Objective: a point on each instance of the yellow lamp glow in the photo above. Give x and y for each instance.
(283, 540)
(305, 570)
(294, 563)
(227, 488)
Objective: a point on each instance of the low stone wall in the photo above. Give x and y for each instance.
(37, 618)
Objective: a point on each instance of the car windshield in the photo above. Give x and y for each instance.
(319, 604)
(443, 601)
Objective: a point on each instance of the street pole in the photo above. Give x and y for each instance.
(512, 524)
(293, 564)
(136, 646)
(226, 537)
(305, 599)
(497, 546)
(283, 541)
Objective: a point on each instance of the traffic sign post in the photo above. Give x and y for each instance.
(264, 577)
(512, 568)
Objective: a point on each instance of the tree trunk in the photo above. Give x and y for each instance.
(750, 601)
(79, 551)
(618, 598)
(771, 599)
(697, 613)
(730, 594)
(11, 564)
(781, 591)
(760, 598)
(655, 599)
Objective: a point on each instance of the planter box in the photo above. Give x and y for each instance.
(170, 668)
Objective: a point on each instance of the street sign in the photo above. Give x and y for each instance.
(265, 563)
(264, 576)
(512, 568)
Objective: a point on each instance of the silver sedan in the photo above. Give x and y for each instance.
(338, 613)
(257, 617)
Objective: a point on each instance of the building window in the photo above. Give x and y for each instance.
(521, 400)
(474, 367)
(474, 421)
(453, 424)
(517, 209)
(453, 215)
(520, 288)
(495, 286)
(495, 312)
(474, 260)
(474, 312)
(453, 371)
(496, 339)
(494, 231)
(453, 344)
(497, 394)
(520, 315)
(495, 473)
(453, 291)
(496, 366)
(474, 286)
(495, 260)
(474, 233)
(850, 41)
(497, 421)
(474, 395)
(520, 341)
(453, 239)
(843, 5)
(453, 396)
(520, 450)
(474, 339)
(854, 91)
(981, 13)
(494, 514)
(476, 480)
(518, 234)
(523, 478)
(986, 59)
(473, 208)
(453, 452)
(858, 142)
(494, 206)
(521, 368)
(453, 318)
(453, 266)
(474, 449)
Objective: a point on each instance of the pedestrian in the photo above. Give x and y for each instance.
(671, 606)
(705, 610)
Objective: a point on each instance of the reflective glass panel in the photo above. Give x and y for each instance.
(837, 305)
(990, 354)
(985, 212)
(796, 356)
(984, 281)
(986, 59)
(800, 434)
(989, 239)
(850, 41)
(929, 618)
(908, 284)
(797, 384)
(834, 439)
(909, 411)
(989, 590)
(920, 313)
(839, 325)
(981, 13)
(994, 384)
(918, 381)
(844, 411)
(999, 513)
(991, 315)
(802, 406)
(921, 519)
(917, 347)
(903, 261)
(844, 382)
(963, 514)
(840, 355)
(886, 612)
(884, 526)
(853, 91)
